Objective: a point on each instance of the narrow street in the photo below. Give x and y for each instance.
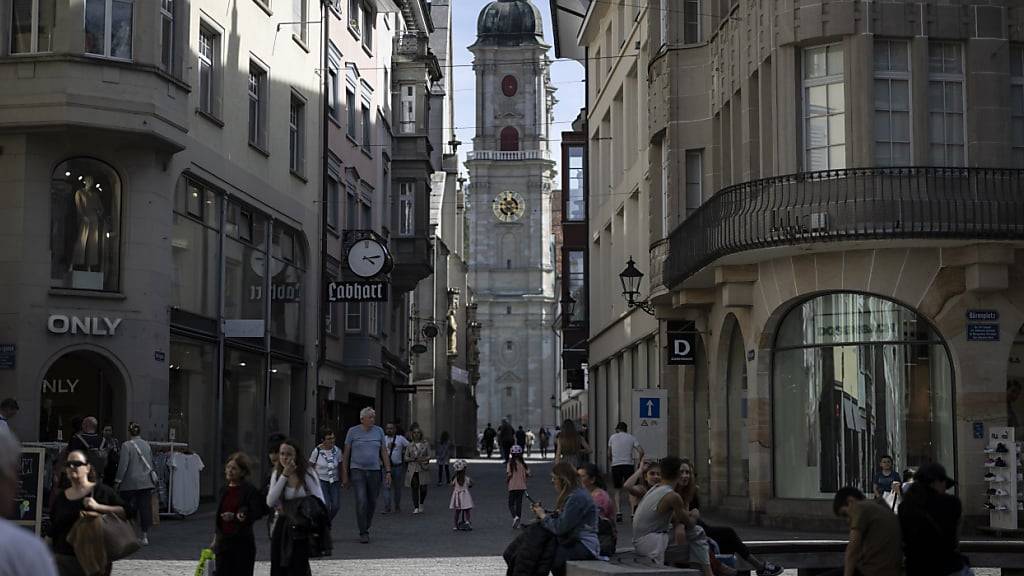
(402, 544)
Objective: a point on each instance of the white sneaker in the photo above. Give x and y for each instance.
(145, 540)
(515, 522)
(417, 511)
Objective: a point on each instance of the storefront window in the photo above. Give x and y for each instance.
(286, 405)
(244, 395)
(857, 377)
(192, 405)
(85, 225)
(194, 247)
(287, 303)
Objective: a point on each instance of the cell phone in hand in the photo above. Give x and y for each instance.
(530, 498)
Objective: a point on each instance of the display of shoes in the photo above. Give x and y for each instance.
(990, 477)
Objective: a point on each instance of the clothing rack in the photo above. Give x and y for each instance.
(169, 447)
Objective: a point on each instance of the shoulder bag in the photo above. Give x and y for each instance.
(153, 476)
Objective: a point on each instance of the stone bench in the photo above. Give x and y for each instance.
(624, 567)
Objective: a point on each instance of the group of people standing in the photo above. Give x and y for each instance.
(505, 437)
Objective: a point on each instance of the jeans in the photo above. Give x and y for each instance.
(445, 469)
(515, 502)
(141, 502)
(332, 497)
(366, 485)
(393, 495)
(419, 490)
(567, 552)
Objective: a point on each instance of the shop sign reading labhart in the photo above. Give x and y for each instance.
(357, 291)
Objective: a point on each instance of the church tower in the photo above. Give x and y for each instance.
(512, 252)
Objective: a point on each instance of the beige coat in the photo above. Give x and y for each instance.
(417, 459)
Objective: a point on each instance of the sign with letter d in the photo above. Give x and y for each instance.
(682, 343)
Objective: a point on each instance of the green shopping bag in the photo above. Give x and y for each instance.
(206, 565)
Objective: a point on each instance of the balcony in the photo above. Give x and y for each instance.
(503, 155)
(849, 205)
(414, 261)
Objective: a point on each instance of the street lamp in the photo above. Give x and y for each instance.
(568, 307)
(631, 278)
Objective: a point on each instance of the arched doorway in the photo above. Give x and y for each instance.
(78, 384)
(702, 431)
(509, 139)
(856, 377)
(734, 379)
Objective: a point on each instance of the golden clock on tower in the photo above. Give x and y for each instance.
(508, 206)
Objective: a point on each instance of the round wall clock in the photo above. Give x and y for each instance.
(509, 85)
(508, 206)
(367, 257)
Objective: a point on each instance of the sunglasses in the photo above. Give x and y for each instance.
(75, 464)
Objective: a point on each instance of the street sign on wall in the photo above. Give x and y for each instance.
(682, 343)
(650, 421)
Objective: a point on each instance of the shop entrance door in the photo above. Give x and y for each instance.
(77, 385)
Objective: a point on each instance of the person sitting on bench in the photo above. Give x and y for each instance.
(875, 546)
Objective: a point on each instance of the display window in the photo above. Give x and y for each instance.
(85, 225)
(856, 377)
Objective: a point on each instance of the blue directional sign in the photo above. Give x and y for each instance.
(650, 407)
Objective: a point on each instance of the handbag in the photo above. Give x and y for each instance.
(118, 537)
(153, 476)
(99, 539)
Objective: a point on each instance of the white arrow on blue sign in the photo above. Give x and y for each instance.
(650, 407)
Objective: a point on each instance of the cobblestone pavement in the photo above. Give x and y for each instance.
(423, 545)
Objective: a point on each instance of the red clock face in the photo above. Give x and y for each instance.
(509, 85)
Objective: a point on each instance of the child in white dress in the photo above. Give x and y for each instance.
(462, 500)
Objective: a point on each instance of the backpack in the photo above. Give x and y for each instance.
(606, 536)
(96, 456)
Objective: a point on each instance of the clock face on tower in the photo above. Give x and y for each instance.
(509, 85)
(508, 206)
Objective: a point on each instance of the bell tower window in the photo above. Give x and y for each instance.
(509, 139)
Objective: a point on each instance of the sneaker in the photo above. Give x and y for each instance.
(364, 538)
(991, 492)
(1000, 463)
(469, 527)
(145, 539)
(417, 511)
(770, 570)
(990, 506)
(998, 492)
(1001, 448)
(990, 463)
(1001, 508)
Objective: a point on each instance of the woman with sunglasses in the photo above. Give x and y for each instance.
(83, 495)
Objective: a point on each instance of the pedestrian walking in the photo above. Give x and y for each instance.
(443, 454)
(462, 500)
(239, 506)
(489, 436)
(624, 451)
(84, 495)
(325, 459)
(885, 478)
(273, 446)
(113, 455)
(8, 409)
(570, 446)
(521, 437)
(91, 443)
(659, 513)
(506, 439)
(292, 479)
(874, 542)
(21, 552)
(396, 443)
(417, 469)
(544, 439)
(516, 473)
(531, 439)
(930, 519)
(136, 479)
(574, 520)
(364, 455)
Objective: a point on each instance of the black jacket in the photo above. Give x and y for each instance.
(252, 502)
(532, 553)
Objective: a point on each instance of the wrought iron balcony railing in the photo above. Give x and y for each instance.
(850, 204)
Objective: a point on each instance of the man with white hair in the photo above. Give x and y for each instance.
(21, 552)
(364, 455)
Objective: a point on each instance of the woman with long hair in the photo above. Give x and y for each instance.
(575, 523)
(592, 479)
(417, 471)
(571, 446)
(729, 542)
(134, 479)
(290, 480)
(239, 506)
(83, 495)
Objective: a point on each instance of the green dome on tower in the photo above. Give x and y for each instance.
(510, 23)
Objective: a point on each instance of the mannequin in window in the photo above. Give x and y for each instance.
(89, 205)
(453, 337)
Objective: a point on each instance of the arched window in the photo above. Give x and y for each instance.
(735, 384)
(85, 225)
(856, 377)
(509, 139)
